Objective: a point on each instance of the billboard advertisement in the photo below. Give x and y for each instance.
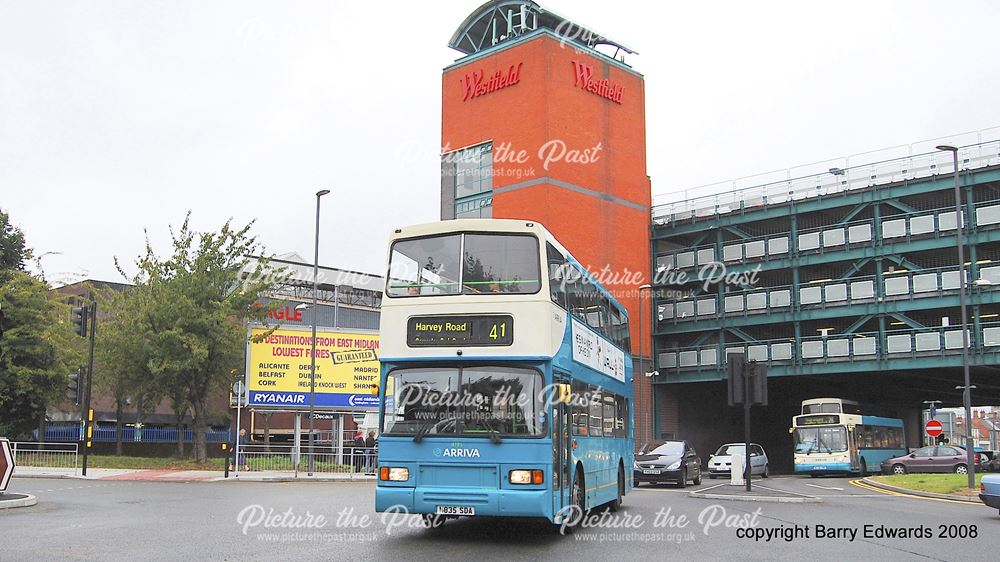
(278, 367)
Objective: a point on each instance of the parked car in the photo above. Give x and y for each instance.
(935, 458)
(989, 490)
(983, 458)
(720, 464)
(670, 461)
(994, 465)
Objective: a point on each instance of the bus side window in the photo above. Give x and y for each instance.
(620, 416)
(895, 438)
(578, 409)
(559, 271)
(575, 299)
(606, 318)
(596, 414)
(608, 401)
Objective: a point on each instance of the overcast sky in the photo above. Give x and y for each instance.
(121, 116)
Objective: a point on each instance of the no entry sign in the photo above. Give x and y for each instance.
(933, 428)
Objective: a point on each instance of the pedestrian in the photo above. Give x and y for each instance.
(241, 459)
(370, 444)
(359, 451)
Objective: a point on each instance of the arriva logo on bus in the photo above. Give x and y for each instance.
(457, 453)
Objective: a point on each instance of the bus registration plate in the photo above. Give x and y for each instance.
(455, 510)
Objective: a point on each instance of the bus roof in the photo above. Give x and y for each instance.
(876, 420)
(827, 400)
(498, 225)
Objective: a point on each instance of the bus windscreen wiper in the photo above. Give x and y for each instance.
(425, 427)
(494, 432)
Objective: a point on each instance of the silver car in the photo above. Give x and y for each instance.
(720, 464)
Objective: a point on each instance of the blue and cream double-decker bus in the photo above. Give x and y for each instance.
(832, 436)
(506, 383)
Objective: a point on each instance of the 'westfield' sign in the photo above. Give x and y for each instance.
(583, 77)
(477, 83)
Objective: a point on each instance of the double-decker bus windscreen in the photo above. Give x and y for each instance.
(467, 401)
(464, 264)
(820, 439)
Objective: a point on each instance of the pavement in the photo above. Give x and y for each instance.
(186, 475)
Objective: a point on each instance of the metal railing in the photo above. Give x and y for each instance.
(106, 433)
(860, 171)
(835, 237)
(350, 462)
(902, 343)
(897, 285)
(59, 456)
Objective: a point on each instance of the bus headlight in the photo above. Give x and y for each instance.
(394, 474)
(526, 477)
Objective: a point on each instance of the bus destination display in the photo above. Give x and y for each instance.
(817, 419)
(432, 331)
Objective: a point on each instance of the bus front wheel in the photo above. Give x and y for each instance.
(864, 468)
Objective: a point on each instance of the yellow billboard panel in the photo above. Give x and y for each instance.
(347, 368)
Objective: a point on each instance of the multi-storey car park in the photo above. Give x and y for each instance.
(856, 292)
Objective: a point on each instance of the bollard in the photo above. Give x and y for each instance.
(225, 460)
(736, 478)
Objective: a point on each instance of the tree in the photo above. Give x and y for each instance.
(37, 352)
(187, 313)
(12, 250)
(120, 358)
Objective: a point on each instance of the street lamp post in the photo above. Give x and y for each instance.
(642, 343)
(312, 369)
(967, 394)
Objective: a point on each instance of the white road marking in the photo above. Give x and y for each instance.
(826, 487)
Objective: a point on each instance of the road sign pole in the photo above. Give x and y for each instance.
(239, 408)
(88, 414)
(747, 373)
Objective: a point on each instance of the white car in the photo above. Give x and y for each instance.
(721, 462)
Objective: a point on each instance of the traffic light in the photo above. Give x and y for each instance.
(74, 388)
(942, 439)
(79, 318)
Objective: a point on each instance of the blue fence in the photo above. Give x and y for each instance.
(105, 433)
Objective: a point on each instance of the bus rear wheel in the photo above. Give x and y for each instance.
(579, 494)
